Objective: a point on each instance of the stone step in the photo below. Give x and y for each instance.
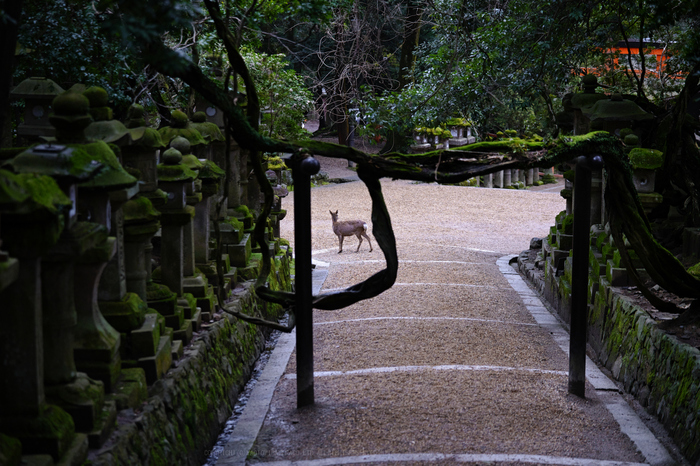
(131, 389)
(196, 320)
(239, 254)
(144, 340)
(184, 333)
(177, 350)
(156, 366)
(105, 425)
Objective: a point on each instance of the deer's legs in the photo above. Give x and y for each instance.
(368, 240)
(340, 239)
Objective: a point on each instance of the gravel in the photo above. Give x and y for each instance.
(450, 306)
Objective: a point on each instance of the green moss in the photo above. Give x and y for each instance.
(112, 176)
(568, 224)
(44, 192)
(243, 210)
(649, 159)
(140, 209)
(695, 270)
(10, 450)
(175, 173)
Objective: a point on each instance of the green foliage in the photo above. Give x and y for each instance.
(62, 41)
(284, 99)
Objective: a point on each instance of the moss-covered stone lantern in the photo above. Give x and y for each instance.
(37, 94)
(80, 396)
(30, 229)
(103, 127)
(176, 179)
(141, 155)
(96, 341)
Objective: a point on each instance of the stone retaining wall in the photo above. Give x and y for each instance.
(659, 370)
(187, 408)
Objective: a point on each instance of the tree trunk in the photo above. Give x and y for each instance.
(398, 140)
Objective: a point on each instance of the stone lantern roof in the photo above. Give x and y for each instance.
(617, 109)
(181, 127)
(69, 164)
(142, 135)
(183, 145)
(209, 131)
(113, 176)
(36, 87)
(172, 169)
(12, 193)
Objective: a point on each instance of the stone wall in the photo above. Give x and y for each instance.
(186, 409)
(662, 372)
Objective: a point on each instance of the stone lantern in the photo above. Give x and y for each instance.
(142, 153)
(96, 341)
(644, 163)
(80, 396)
(30, 229)
(176, 179)
(613, 115)
(37, 93)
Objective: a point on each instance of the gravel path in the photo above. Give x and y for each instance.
(447, 366)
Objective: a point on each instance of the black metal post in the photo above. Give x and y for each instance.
(301, 172)
(579, 285)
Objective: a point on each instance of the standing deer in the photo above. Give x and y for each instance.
(349, 228)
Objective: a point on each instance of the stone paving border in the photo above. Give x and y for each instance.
(246, 431)
(630, 424)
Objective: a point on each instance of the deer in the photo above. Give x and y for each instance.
(349, 228)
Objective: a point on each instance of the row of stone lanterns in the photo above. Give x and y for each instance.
(87, 320)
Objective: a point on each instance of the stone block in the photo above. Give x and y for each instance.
(184, 333)
(175, 319)
(189, 305)
(130, 390)
(50, 432)
(195, 285)
(615, 275)
(82, 398)
(124, 315)
(196, 320)
(691, 242)
(156, 366)
(240, 253)
(10, 450)
(177, 350)
(144, 340)
(105, 425)
(229, 234)
(565, 242)
(207, 303)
